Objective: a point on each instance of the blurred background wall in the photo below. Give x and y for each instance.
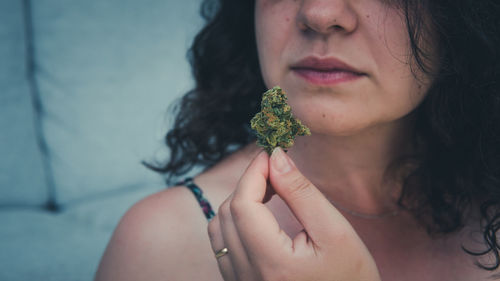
(84, 91)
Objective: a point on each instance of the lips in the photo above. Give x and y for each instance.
(325, 71)
(325, 64)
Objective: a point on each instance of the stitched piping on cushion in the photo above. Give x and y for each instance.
(51, 203)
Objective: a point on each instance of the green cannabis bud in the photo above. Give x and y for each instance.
(274, 124)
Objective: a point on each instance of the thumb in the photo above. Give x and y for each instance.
(319, 218)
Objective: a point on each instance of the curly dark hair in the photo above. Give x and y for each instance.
(457, 133)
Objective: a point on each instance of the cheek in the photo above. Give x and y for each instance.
(273, 27)
(391, 50)
(400, 87)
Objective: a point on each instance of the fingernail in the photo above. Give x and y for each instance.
(280, 161)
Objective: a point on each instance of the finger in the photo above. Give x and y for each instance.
(238, 256)
(217, 242)
(269, 193)
(319, 218)
(257, 227)
(255, 178)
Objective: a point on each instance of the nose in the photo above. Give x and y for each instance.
(326, 16)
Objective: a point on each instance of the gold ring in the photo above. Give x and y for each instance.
(221, 252)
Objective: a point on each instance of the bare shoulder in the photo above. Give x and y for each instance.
(161, 237)
(164, 236)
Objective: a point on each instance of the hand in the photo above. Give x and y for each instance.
(327, 249)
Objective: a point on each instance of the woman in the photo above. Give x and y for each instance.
(399, 180)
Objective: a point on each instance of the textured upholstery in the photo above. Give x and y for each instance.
(22, 179)
(107, 71)
(84, 89)
(40, 245)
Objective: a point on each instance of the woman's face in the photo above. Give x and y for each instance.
(345, 64)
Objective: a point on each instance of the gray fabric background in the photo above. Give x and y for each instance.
(22, 178)
(79, 111)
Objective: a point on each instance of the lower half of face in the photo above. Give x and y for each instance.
(300, 44)
(356, 104)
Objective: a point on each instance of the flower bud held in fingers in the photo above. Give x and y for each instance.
(275, 124)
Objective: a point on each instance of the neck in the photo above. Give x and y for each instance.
(352, 170)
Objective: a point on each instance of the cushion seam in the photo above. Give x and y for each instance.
(38, 109)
